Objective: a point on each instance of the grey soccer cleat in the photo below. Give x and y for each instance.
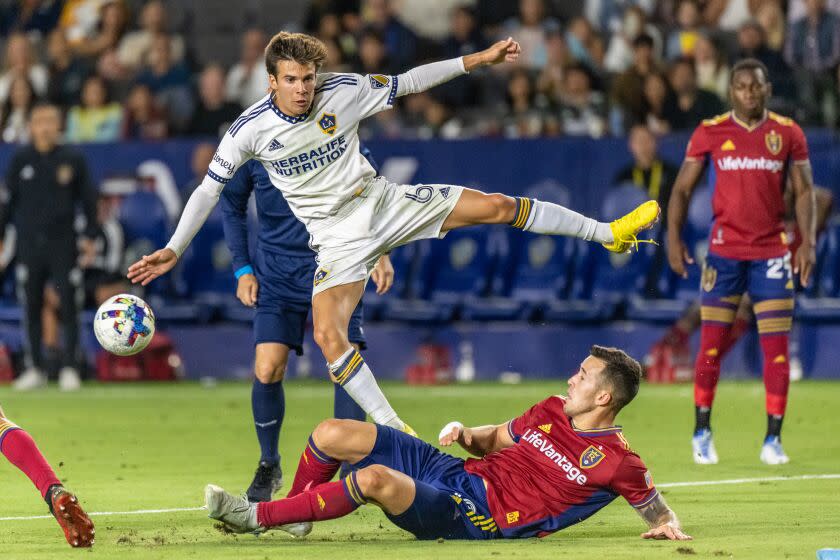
(237, 513)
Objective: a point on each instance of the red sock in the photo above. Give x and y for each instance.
(327, 501)
(21, 451)
(315, 467)
(739, 329)
(776, 372)
(707, 366)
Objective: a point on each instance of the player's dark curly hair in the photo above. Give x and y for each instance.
(299, 47)
(622, 372)
(748, 64)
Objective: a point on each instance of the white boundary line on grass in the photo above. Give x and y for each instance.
(665, 485)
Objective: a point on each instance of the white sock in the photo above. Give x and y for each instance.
(355, 376)
(553, 219)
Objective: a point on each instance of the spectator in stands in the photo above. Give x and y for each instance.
(439, 122)
(752, 43)
(582, 110)
(202, 156)
(813, 50)
(169, 81)
(655, 177)
(144, 119)
(136, 47)
(97, 119)
(531, 29)
(335, 61)
(692, 104)
(20, 61)
(620, 50)
(658, 103)
(33, 17)
(584, 44)
(729, 15)
(14, 119)
(550, 79)
(772, 19)
(67, 72)
(465, 36)
(330, 31)
(607, 15)
(712, 68)
(213, 115)
(400, 42)
(373, 55)
(524, 117)
(247, 80)
(627, 88)
(113, 23)
(681, 40)
(79, 19)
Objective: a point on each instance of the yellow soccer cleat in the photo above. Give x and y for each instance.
(409, 430)
(625, 228)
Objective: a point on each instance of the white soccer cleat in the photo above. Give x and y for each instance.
(237, 513)
(297, 530)
(69, 379)
(703, 448)
(772, 452)
(31, 378)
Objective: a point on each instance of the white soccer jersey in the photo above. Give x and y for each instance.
(314, 159)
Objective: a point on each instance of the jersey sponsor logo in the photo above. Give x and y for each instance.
(590, 457)
(730, 163)
(320, 275)
(64, 174)
(708, 278)
(773, 141)
(224, 164)
(545, 427)
(421, 194)
(310, 160)
(275, 145)
(728, 146)
(545, 447)
(378, 81)
(328, 123)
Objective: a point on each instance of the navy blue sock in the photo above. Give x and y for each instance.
(344, 407)
(268, 403)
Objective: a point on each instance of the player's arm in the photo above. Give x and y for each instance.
(229, 156)
(478, 441)
(428, 76)
(805, 210)
(687, 179)
(662, 521)
(9, 196)
(234, 204)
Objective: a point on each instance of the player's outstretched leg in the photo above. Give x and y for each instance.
(21, 451)
(331, 311)
(475, 207)
(775, 317)
(268, 404)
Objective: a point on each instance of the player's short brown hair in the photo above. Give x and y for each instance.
(299, 47)
(621, 372)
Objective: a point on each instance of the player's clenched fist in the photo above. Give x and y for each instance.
(506, 50)
(151, 266)
(454, 431)
(246, 289)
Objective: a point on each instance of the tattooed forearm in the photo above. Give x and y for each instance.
(657, 513)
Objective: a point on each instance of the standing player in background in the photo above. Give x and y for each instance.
(278, 285)
(751, 150)
(555, 465)
(305, 133)
(21, 451)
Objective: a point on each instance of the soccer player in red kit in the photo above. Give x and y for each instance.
(553, 466)
(751, 151)
(21, 451)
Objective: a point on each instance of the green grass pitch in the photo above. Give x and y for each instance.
(137, 447)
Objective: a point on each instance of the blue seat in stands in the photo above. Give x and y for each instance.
(145, 224)
(206, 271)
(820, 302)
(696, 238)
(404, 260)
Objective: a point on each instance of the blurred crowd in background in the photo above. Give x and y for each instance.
(129, 69)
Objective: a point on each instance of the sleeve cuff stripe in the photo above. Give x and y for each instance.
(654, 493)
(393, 94)
(247, 269)
(217, 178)
(510, 430)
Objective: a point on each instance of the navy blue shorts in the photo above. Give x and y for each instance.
(450, 503)
(284, 300)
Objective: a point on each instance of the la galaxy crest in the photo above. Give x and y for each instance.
(378, 81)
(328, 123)
(590, 457)
(773, 141)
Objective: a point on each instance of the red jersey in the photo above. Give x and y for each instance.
(748, 170)
(556, 475)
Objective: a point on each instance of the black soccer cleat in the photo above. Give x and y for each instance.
(268, 479)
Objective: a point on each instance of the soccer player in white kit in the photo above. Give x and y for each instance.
(305, 134)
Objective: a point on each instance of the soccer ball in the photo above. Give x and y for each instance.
(124, 325)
